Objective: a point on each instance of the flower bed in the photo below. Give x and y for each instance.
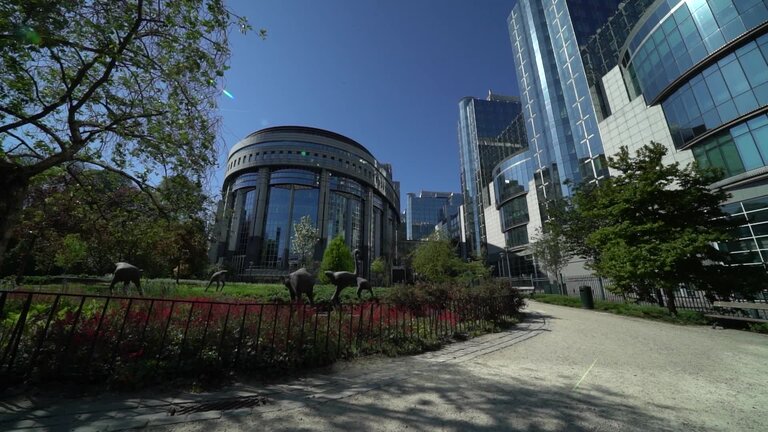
(133, 342)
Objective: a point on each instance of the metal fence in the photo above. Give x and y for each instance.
(685, 297)
(60, 335)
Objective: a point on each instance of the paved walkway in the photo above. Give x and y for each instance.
(563, 369)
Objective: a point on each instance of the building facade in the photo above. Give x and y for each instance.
(278, 175)
(564, 145)
(690, 74)
(704, 64)
(482, 143)
(425, 210)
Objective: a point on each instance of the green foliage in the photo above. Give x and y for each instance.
(86, 220)
(380, 270)
(759, 327)
(550, 251)
(436, 261)
(336, 257)
(128, 87)
(652, 225)
(304, 239)
(73, 251)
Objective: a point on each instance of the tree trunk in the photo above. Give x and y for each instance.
(670, 292)
(14, 184)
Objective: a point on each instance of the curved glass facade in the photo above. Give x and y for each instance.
(679, 34)
(732, 87)
(511, 176)
(277, 176)
(511, 179)
(737, 150)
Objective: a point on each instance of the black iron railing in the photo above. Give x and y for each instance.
(56, 335)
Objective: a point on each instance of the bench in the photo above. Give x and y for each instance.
(741, 306)
(526, 290)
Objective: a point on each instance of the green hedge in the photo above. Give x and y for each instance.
(629, 309)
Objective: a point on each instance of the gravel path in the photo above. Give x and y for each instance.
(563, 369)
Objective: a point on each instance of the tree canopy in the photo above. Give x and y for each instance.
(652, 225)
(127, 86)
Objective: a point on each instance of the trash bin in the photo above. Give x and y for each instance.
(585, 292)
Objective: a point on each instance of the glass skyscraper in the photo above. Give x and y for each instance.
(427, 209)
(560, 120)
(482, 144)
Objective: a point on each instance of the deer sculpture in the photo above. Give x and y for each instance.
(344, 279)
(218, 277)
(126, 273)
(300, 282)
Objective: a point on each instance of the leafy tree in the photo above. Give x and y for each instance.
(73, 252)
(436, 260)
(380, 269)
(128, 86)
(551, 252)
(657, 223)
(304, 239)
(336, 257)
(114, 220)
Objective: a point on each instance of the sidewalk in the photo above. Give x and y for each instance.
(115, 412)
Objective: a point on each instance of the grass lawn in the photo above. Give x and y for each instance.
(167, 288)
(629, 309)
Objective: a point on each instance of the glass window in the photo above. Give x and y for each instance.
(711, 120)
(744, 5)
(754, 62)
(755, 16)
(757, 122)
(761, 93)
(761, 139)
(748, 151)
(717, 87)
(734, 77)
(703, 98)
(755, 203)
(731, 157)
(745, 103)
(733, 29)
(714, 41)
(705, 21)
(758, 216)
(723, 10)
(715, 158)
(726, 111)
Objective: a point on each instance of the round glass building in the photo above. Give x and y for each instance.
(276, 176)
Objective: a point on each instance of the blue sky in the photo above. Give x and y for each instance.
(386, 73)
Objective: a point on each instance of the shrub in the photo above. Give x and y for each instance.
(336, 257)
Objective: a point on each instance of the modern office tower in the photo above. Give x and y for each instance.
(482, 143)
(427, 209)
(705, 64)
(275, 176)
(564, 145)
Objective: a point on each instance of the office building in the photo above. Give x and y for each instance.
(482, 143)
(697, 71)
(427, 209)
(275, 176)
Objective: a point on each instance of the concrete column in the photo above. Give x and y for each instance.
(324, 201)
(260, 211)
(368, 232)
(234, 230)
